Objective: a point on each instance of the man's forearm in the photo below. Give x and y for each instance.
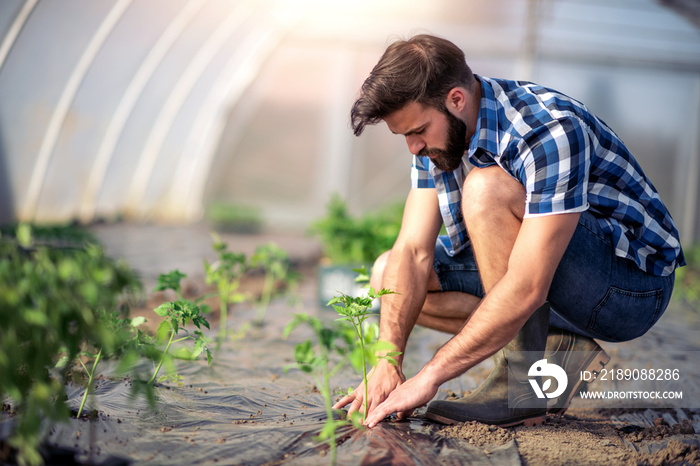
(494, 323)
(407, 272)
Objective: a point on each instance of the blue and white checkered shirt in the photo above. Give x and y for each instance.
(569, 161)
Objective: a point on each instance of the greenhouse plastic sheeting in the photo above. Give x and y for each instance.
(244, 409)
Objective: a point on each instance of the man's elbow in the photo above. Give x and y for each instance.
(415, 252)
(531, 294)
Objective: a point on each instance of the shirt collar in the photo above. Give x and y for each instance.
(486, 133)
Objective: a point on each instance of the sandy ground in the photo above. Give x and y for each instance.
(590, 438)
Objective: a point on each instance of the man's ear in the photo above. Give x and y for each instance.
(456, 99)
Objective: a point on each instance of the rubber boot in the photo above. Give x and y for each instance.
(574, 353)
(489, 402)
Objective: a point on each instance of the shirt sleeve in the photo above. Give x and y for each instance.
(420, 173)
(555, 158)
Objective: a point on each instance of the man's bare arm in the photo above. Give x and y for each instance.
(539, 247)
(409, 267)
(407, 271)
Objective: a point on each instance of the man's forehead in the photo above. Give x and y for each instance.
(409, 119)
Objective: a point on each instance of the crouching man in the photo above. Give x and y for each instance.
(554, 238)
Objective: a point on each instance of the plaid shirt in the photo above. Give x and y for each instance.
(569, 161)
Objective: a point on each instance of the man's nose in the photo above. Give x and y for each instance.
(415, 143)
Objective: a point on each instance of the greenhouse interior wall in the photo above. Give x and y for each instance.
(148, 110)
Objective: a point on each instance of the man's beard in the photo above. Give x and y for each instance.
(450, 159)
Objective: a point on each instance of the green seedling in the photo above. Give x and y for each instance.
(368, 349)
(128, 343)
(179, 314)
(226, 274)
(315, 358)
(353, 340)
(172, 281)
(274, 262)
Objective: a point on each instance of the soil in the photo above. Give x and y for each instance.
(586, 438)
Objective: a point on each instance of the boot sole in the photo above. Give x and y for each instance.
(529, 422)
(595, 366)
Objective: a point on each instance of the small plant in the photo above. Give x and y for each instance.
(179, 314)
(274, 262)
(355, 310)
(129, 343)
(226, 274)
(172, 281)
(315, 359)
(352, 339)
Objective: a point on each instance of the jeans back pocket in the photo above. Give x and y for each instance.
(624, 315)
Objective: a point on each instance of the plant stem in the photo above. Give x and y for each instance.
(223, 310)
(266, 295)
(358, 329)
(89, 383)
(223, 316)
(155, 374)
(326, 391)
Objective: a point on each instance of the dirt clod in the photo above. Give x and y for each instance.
(478, 434)
(587, 438)
(675, 453)
(659, 431)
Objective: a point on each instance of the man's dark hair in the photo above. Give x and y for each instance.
(421, 69)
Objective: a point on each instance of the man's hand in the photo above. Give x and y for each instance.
(412, 394)
(386, 378)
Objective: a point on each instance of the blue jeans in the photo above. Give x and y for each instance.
(593, 293)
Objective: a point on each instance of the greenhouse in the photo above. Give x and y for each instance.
(181, 194)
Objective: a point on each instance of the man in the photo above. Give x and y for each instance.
(554, 238)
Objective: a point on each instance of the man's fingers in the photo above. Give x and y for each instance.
(355, 406)
(378, 414)
(347, 399)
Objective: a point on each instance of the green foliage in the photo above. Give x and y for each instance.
(687, 285)
(48, 298)
(369, 350)
(350, 338)
(177, 315)
(349, 240)
(170, 281)
(129, 344)
(279, 275)
(234, 217)
(315, 358)
(226, 274)
(55, 236)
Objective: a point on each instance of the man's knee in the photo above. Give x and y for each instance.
(489, 190)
